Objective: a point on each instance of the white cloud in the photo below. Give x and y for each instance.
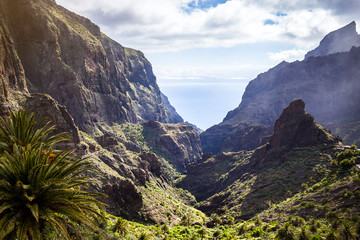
(288, 55)
(158, 25)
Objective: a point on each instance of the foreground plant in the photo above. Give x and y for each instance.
(40, 188)
(21, 129)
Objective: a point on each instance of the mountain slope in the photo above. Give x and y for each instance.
(328, 84)
(60, 66)
(245, 183)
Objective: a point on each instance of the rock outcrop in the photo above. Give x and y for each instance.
(180, 142)
(328, 84)
(297, 128)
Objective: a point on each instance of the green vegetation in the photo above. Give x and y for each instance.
(306, 196)
(40, 188)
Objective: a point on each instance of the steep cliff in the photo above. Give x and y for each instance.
(60, 66)
(328, 84)
(66, 56)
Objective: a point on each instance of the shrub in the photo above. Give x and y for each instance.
(303, 235)
(241, 229)
(313, 228)
(285, 233)
(309, 205)
(216, 234)
(258, 222)
(121, 226)
(297, 221)
(316, 237)
(293, 209)
(332, 215)
(346, 164)
(331, 236)
(324, 200)
(347, 230)
(353, 147)
(347, 194)
(257, 232)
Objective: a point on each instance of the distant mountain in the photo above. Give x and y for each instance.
(329, 85)
(341, 40)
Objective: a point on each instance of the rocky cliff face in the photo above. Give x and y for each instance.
(328, 84)
(297, 128)
(66, 56)
(59, 65)
(246, 182)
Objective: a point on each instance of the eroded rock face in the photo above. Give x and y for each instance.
(178, 141)
(46, 107)
(66, 56)
(297, 128)
(123, 197)
(328, 84)
(12, 75)
(59, 65)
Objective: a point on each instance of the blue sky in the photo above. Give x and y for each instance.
(204, 52)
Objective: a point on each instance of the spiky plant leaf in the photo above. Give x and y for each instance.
(40, 187)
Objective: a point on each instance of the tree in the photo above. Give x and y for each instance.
(38, 186)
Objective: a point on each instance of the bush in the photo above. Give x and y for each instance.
(347, 194)
(303, 235)
(332, 215)
(309, 205)
(316, 237)
(346, 164)
(324, 200)
(285, 233)
(331, 236)
(297, 221)
(293, 209)
(241, 229)
(257, 232)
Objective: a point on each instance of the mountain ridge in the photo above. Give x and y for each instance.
(328, 84)
(341, 40)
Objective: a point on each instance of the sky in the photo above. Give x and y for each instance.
(204, 52)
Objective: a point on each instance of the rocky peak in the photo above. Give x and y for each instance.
(341, 40)
(297, 128)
